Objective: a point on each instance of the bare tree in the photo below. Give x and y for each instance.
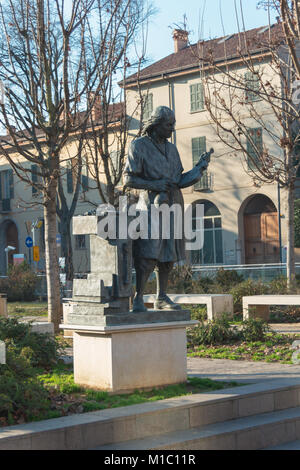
(254, 114)
(107, 134)
(69, 183)
(50, 57)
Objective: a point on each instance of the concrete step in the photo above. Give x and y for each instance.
(219, 419)
(294, 445)
(251, 433)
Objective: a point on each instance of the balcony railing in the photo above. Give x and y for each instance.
(205, 183)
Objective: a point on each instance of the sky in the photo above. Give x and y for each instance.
(171, 13)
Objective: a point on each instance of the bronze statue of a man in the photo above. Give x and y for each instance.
(154, 166)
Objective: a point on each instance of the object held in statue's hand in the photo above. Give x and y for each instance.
(205, 159)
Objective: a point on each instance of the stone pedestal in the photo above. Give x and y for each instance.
(128, 357)
(115, 349)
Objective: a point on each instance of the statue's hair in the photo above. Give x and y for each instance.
(160, 114)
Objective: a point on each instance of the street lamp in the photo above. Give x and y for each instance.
(7, 249)
(277, 167)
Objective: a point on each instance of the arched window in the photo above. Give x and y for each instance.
(212, 251)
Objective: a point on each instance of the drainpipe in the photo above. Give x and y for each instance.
(171, 103)
(279, 222)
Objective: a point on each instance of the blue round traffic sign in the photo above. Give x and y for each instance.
(29, 242)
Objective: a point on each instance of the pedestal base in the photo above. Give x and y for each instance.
(125, 358)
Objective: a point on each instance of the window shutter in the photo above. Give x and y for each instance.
(252, 86)
(255, 147)
(148, 106)
(84, 175)
(34, 177)
(84, 182)
(70, 180)
(196, 97)
(11, 183)
(1, 192)
(198, 147)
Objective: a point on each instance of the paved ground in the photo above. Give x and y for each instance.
(246, 371)
(242, 371)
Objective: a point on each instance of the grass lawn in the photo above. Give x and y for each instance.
(27, 309)
(275, 348)
(67, 398)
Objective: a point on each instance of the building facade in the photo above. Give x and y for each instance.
(244, 222)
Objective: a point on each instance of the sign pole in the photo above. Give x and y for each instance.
(29, 243)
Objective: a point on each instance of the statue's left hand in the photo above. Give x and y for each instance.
(204, 159)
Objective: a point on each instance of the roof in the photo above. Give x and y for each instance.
(115, 114)
(218, 49)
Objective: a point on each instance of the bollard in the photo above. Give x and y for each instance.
(3, 305)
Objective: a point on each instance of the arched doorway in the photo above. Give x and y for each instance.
(261, 234)
(8, 237)
(212, 251)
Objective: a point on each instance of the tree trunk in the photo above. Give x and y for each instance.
(52, 268)
(290, 259)
(66, 247)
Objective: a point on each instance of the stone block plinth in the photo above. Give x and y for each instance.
(128, 357)
(258, 305)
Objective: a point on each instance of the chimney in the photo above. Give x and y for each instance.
(180, 37)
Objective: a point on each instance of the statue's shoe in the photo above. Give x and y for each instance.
(165, 303)
(138, 306)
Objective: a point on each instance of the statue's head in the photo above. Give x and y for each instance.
(162, 121)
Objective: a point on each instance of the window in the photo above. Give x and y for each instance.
(196, 97)
(42, 235)
(251, 86)
(115, 160)
(6, 189)
(70, 185)
(115, 156)
(147, 106)
(212, 251)
(80, 243)
(198, 148)
(35, 178)
(84, 176)
(6, 184)
(254, 147)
